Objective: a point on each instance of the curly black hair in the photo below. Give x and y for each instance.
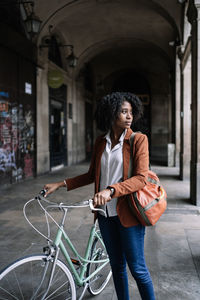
(109, 107)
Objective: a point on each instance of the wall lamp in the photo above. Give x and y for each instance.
(71, 58)
(31, 21)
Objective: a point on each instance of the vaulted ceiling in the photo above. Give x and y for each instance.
(113, 27)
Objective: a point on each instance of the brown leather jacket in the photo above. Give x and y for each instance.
(128, 185)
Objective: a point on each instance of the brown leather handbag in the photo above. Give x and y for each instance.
(149, 203)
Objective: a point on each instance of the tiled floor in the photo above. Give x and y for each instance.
(172, 247)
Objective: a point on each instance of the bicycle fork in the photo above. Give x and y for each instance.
(53, 253)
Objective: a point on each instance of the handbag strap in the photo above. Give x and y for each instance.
(130, 169)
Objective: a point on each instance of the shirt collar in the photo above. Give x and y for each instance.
(121, 139)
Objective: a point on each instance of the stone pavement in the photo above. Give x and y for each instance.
(172, 246)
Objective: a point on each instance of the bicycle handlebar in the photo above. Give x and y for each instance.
(82, 204)
(40, 197)
(90, 202)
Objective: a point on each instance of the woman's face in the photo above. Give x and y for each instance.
(125, 117)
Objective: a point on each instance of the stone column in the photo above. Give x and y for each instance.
(181, 117)
(177, 120)
(43, 155)
(187, 118)
(193, 15)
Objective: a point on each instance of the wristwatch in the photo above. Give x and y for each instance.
(112, 190)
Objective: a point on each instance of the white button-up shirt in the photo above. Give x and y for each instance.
(111, 170)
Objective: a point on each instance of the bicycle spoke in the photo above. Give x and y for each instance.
(9, 294)
(41, 281)
(19, 286)
(53, 293)
(99, 281)
(29, 277)
(56, 279)
(7, 291)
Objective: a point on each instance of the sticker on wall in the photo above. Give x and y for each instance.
(4, 94)
(4, 106)
(28, 88)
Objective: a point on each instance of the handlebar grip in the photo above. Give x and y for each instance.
(96, 209)
(42, 192)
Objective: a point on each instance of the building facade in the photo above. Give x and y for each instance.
(17, 100)
(150, 48)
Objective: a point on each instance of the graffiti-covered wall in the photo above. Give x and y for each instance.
(17, 118)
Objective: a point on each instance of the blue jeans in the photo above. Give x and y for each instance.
(126, 245)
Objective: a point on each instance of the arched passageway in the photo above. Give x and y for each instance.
(111, 40)
(143, 69)
(132, 45)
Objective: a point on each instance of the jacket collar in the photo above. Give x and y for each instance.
(128, 134)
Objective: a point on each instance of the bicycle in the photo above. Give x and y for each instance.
(46, 276)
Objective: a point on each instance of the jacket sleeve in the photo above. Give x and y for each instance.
(140, 169)
(84, 179)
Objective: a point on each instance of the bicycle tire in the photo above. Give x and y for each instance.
(97, 283)
(27, 279)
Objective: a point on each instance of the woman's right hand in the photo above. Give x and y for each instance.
(52, 187)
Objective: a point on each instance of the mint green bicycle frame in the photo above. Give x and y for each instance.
(50, 265)
(79, 278)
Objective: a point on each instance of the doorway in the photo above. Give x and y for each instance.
(58, 147)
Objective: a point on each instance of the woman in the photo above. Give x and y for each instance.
(122, 234)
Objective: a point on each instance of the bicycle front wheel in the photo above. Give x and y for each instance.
(99, 281)
(28, 278)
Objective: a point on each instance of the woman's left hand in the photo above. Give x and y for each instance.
(102, 197)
